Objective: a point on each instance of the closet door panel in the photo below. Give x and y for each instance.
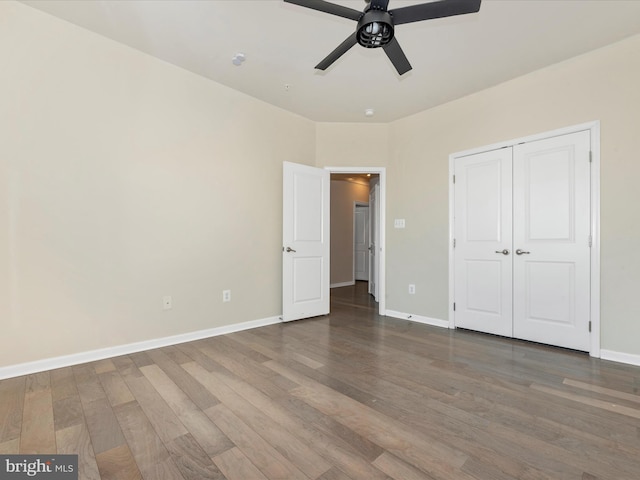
(551, 227)
(483, 231)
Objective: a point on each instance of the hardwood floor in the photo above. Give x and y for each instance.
(348, 396)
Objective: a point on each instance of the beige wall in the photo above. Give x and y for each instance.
(352, 144)
(124, 179)
(344, 194)
(602, 85)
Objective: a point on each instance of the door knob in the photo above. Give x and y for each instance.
(504, 252)
(289, 249)
(522, 252)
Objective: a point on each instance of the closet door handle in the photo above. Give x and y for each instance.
(504, 252)
(522, 252)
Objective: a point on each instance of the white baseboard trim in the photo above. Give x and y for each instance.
(343, 284)
(629, 358)
(93, 355)
(436, 322)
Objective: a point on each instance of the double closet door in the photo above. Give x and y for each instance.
(522, 241)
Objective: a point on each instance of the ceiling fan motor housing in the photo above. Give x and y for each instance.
(375, 29)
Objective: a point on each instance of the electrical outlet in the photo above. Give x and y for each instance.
(226, 295)
(167, 302)
(412, 289)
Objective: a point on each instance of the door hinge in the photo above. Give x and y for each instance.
(589, 325)
(454, 306)
(454, 243)
(590, 156)
(590, 241)
(454, 179)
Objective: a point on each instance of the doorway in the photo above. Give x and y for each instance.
(355, 191)
(306, 238)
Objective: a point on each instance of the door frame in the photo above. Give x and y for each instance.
(594, 128)
(382, 176)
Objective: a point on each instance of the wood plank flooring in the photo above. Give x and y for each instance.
(347, 396)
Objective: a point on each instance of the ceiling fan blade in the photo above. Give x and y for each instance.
(338, 52)
(397, 56)
(427, 11)
(328, 7)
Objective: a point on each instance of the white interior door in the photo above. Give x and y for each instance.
(551, 211)
(374, 240)
(361, 242)
(305, 251)
(522, 226)
(483, 235)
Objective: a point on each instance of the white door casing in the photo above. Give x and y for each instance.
(361, 242)
(483, 266)
(306, 247)
(552, 223)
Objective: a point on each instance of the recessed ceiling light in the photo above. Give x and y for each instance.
(369, 112)
(238, 58)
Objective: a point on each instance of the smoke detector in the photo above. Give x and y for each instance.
(238, 59)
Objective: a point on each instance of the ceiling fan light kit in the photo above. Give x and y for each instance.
(376, 24)
(375, 29)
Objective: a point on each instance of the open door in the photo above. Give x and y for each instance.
(305, 234)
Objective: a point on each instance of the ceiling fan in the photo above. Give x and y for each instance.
(376, 24)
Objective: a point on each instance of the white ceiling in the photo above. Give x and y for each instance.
(451, 57)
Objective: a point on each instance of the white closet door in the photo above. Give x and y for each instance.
(483, 273)
(551, 212)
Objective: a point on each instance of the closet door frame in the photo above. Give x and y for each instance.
(594, 128)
